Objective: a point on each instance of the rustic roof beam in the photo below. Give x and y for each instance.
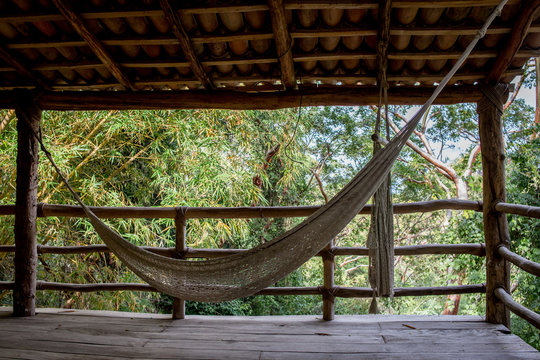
(23, 70)
(185, 43)
(519, 31)
(283, 42)
(121, 100)
(69, 13)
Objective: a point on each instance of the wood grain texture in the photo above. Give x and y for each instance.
(121, 100)
(493, 183)
(179, 305)
(56, 334)
(28, 121)
(284, 43)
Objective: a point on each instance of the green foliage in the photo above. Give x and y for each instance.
(224, 158)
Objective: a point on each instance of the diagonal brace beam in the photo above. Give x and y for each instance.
(22, 69)
(95, 45)
(519, 31)
(185, 43)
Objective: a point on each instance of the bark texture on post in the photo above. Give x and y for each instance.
(496, 233)
(179, 305)
(24, 292)
(328, 273)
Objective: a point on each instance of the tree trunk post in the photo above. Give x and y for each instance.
(328, 273)
(496, 234)
(179, 305)
(24, 291)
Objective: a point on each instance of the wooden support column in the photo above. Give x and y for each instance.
(24, 292)
(496, 233)
(179, 305)
(328, 274)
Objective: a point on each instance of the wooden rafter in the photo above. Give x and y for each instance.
(185, 43)
(92, 41)
(22, 69)
(515, 40)
(283, 43)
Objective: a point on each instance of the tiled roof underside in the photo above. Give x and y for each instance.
(236, 44)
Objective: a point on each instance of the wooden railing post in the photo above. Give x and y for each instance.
(179, 305)
(496, 233)
(24, 292)
(328, 286)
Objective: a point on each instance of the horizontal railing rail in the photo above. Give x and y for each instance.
(427, 249)
(336, 291)
(524, 264)
(518, 309)
(50, 210)
(516, 209)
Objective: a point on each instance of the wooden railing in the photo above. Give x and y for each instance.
(524, 264)
(328, 290)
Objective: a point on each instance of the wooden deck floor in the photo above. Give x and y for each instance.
(57, 334)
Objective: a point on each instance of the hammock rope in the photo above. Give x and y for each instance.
(246, 273)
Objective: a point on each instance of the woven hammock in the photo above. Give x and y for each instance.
(247, 273)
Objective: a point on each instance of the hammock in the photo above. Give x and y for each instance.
(246, 273)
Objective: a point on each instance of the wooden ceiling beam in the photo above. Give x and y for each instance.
(180, 32)
(69, 13)
(519, 31)
(22, 69)
(283, 42)
(123, 100)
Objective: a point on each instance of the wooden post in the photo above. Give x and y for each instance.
(24, 291)
(179, 305)
(328, 273)
(496, 233)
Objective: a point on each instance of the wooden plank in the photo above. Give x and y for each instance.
(493, 183)
(68, 11)
(185, 43)
(284, 43)
(28, 123)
